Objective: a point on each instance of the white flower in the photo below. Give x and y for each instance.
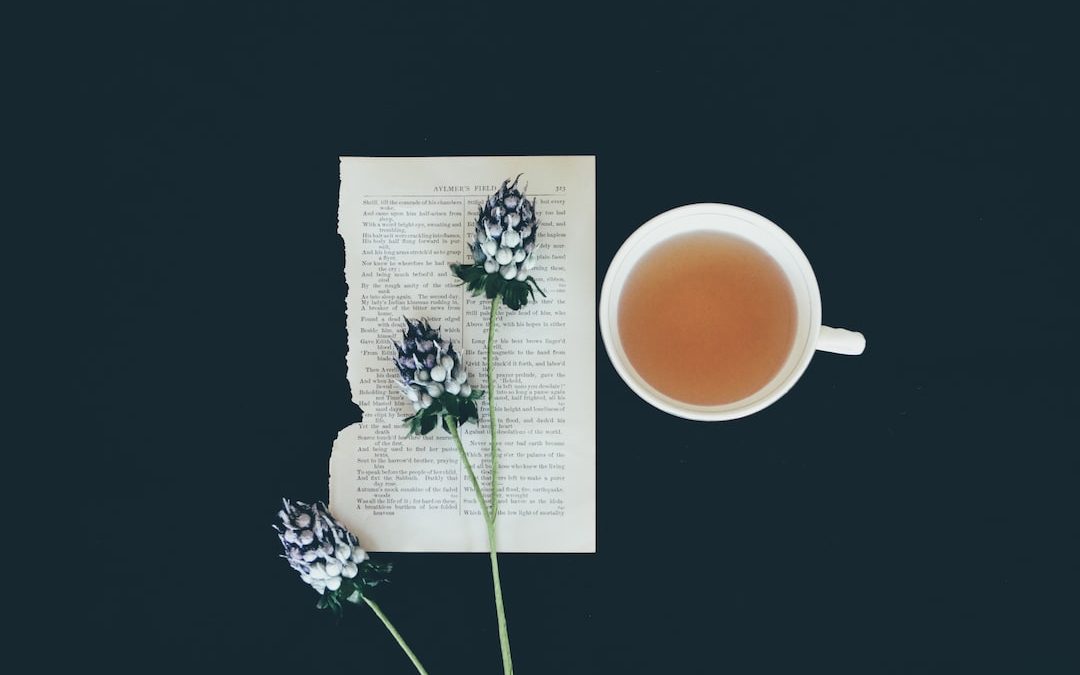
(506, 222)
(317, 546)
(430, 369)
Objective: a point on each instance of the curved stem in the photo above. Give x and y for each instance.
(397, 636)
(489, 521)
(451, 423)
(491, 412)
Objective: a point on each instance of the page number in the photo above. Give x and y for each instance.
(560, 188)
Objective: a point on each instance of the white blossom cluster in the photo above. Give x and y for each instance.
(428, 365)
(506, 233)
(317, 546)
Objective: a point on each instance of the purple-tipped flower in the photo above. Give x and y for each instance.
(503, 248)
(327, 556)
(506, 233)
(318, 547)
(433, 377)
(429, 366)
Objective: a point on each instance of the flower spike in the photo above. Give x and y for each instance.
(503, 248)
(433, 378)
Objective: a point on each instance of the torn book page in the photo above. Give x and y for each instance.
(403, 221)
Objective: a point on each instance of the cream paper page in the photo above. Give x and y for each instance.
(404, 220)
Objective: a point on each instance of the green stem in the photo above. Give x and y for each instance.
(504, 634)
(489, 521)
(451, 423)
(397, 636)
(491, 412)
(491, 513)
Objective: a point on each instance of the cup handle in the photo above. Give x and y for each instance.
(840, 341)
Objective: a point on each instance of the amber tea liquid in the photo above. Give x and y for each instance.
(707, 318)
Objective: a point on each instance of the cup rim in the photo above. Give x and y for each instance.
(661, 220)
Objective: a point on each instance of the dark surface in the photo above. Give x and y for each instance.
(909, 511)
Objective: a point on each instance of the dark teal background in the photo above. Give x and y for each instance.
(909, 511)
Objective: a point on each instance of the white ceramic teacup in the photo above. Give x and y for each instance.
(810, 334)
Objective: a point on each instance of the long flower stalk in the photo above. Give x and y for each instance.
(397, 636)
(489, 521)
(503, 251)
(330, 560)
(491, 413)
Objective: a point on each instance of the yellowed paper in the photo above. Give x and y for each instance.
(404, 220)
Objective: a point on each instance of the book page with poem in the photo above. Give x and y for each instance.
(404, 220)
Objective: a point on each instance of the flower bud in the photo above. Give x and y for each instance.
(333, 555)
(466, 389)
(428, 375)
(505, 237)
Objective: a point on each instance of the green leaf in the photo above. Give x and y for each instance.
(351, 591)
(492, 286)
(450, 402)
(466, 273)
(335, 605)
(531, 280)
(380, 568)
(427, 424)
(468, 411)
